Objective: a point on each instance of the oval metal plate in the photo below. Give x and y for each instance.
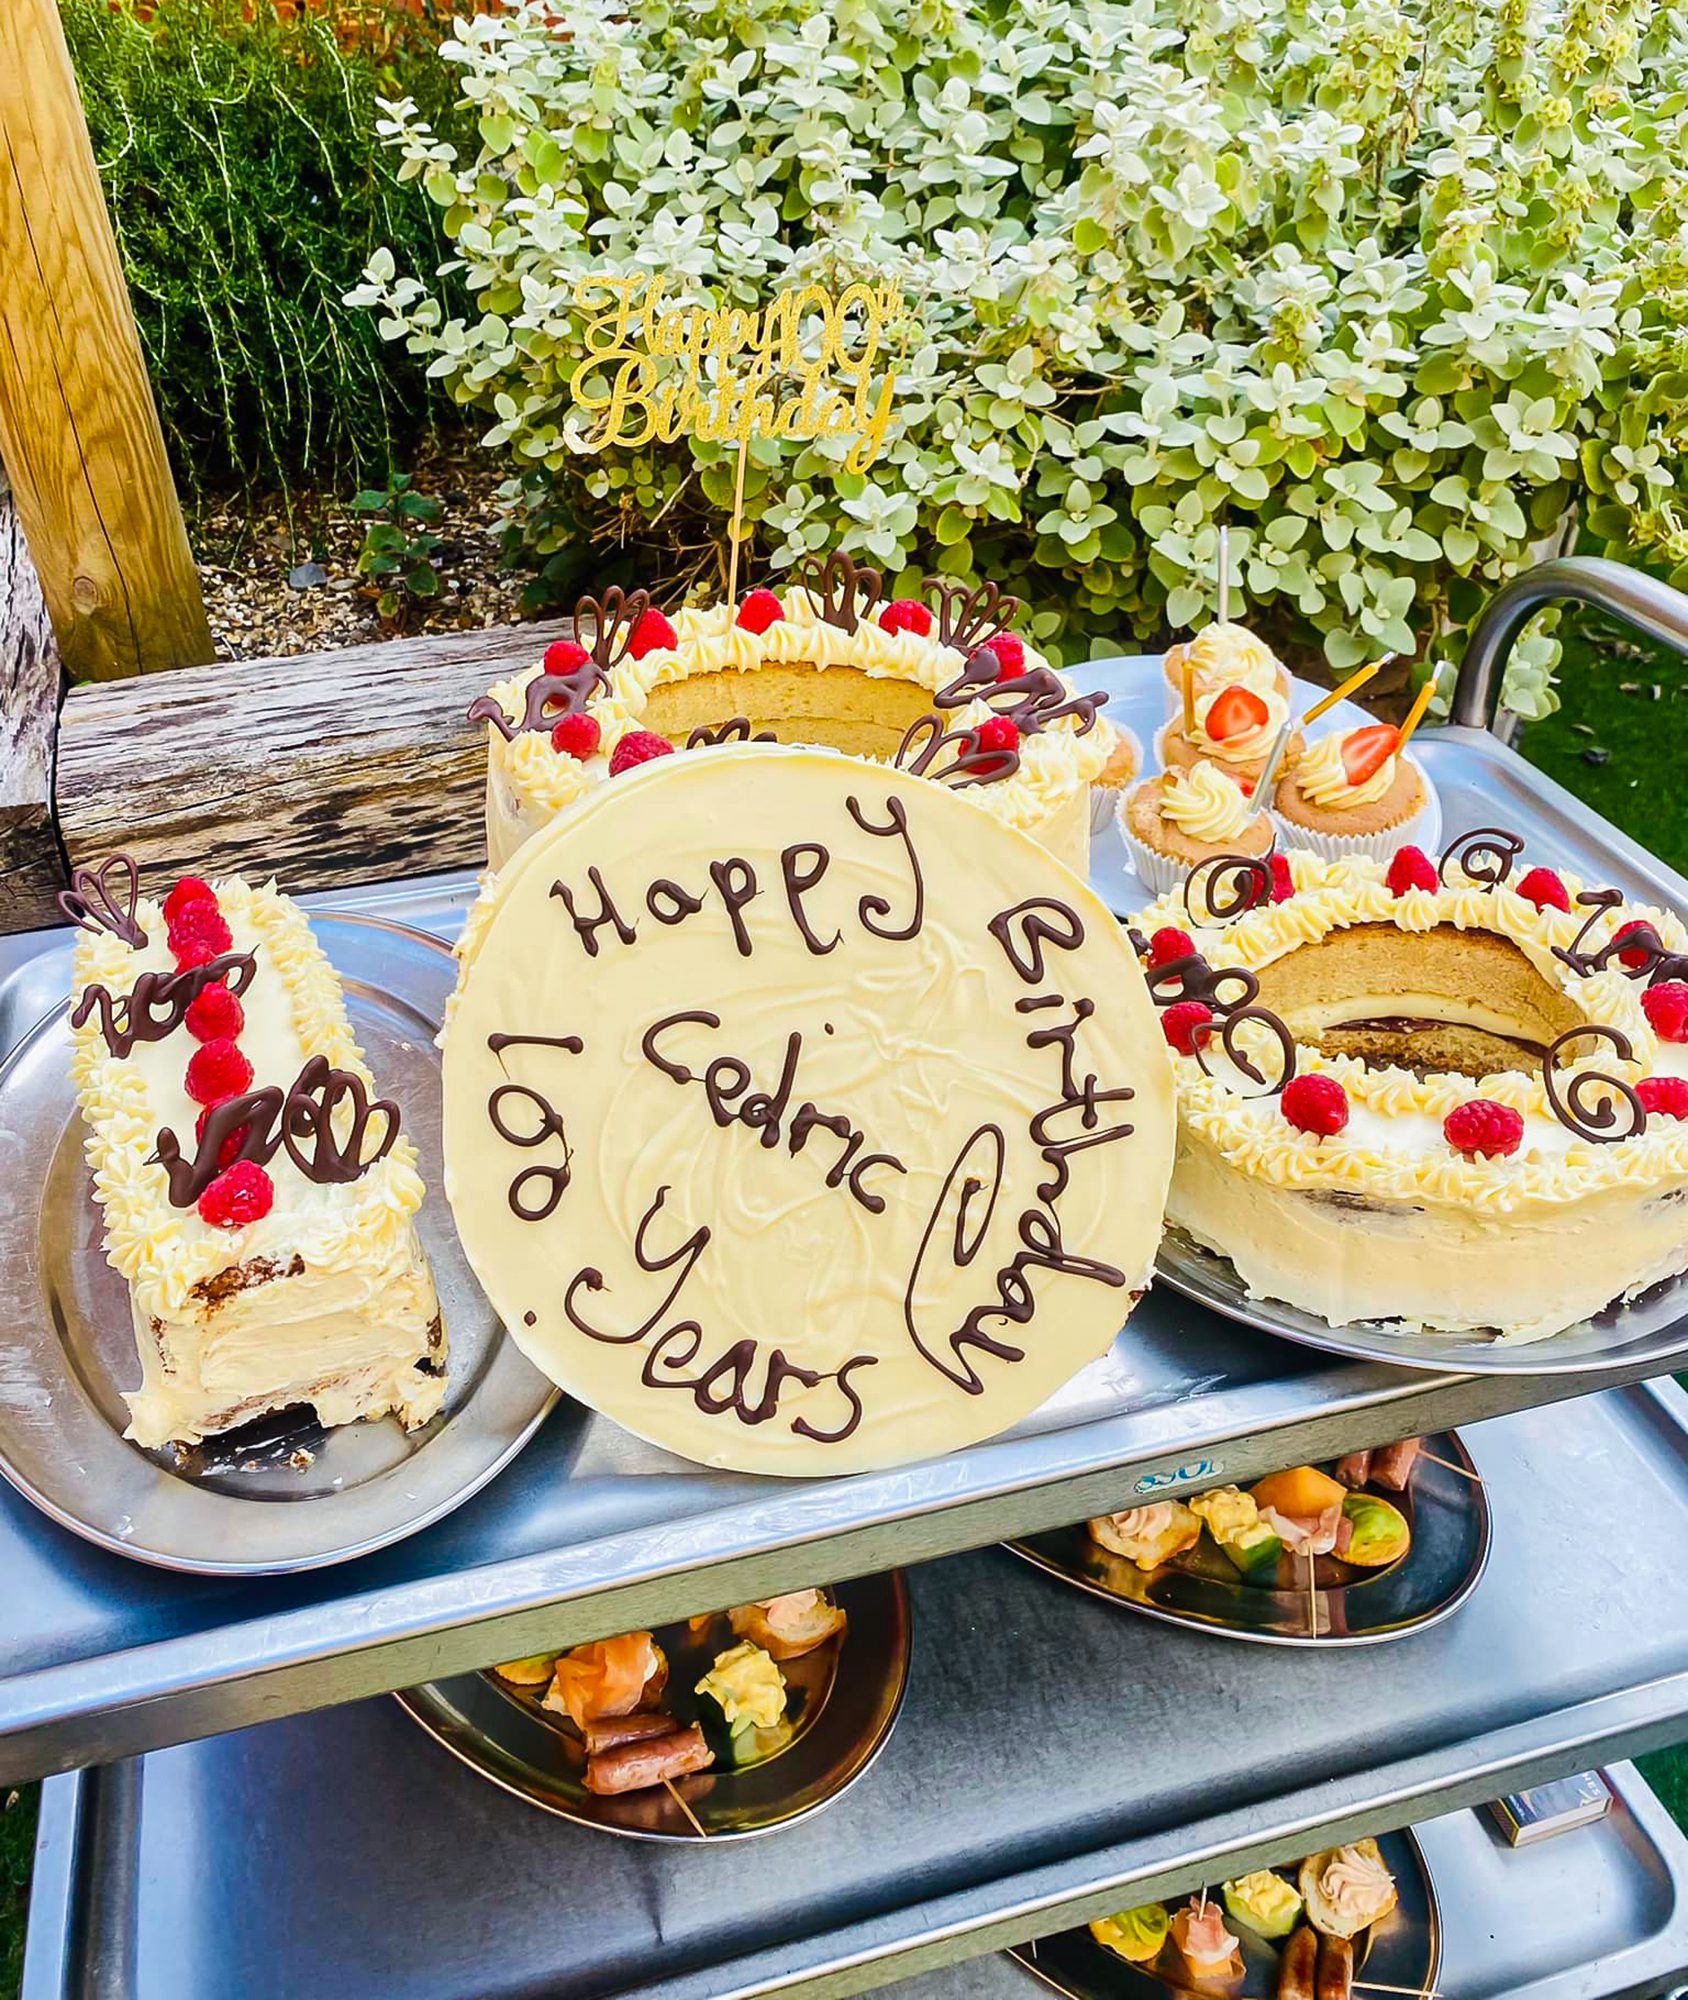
(266, 1498)
(1450, 1550)
(1403, 1954)
(1650, 1329)
(851, 1705)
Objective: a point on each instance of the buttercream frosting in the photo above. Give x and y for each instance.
(1322, 777)
(1205, 803)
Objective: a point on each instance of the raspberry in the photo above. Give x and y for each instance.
(196, 951)
(1283, 882)
(1168, 945)
(214, 1013)
(563, 656)
(1480, 1128)
(1180, 1021)
(1010, 651)
(240, 1194)
(638, 746)
(1634, 960)
(199, 925)
(576, 736)
(760, 610)
(998, 732)
(1543, 888)
(1666, 1008)
(906, 614)
(231, 1146)
(1411, 868)
(188, 890)
(652, 630)
(1316, 1104)
(1664, 1096)
(216, 1071)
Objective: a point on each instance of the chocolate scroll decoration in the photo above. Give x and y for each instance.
(846, 594)
(1656, 962)
(302, 1119)
(1227, 886)
(967, 613)
(1193, 978)
(158, 1003)
(93, 903)
(1485, 856)
(1589, 1117)
(736, 729)
(926, 742)
(1227, 1026)
(614, 619)
(547, 698)
(1031, 701)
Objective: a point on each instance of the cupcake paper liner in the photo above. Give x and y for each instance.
(1156, 871)
(1105, 798)
(1420, 829)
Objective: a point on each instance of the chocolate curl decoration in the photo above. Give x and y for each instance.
(845, 593)
(1227, 1027)
(925, 742)
(1485, 856)
(257, 1111)
(966, 613)
(1192, 978)
(546, 700)
(1657, 962)
(159, 1001)
(91, 904)
(736, 729)
(1230, 886)
(1595, 1119)
(308, 1121)
(614, 621)
(1031, 701)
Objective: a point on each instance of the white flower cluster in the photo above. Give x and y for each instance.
(1395, 287)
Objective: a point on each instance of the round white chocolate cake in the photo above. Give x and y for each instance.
(826, 664)
(1453, 1097)
(800, 1118)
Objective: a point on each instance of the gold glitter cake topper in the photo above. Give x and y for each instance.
(659, 366)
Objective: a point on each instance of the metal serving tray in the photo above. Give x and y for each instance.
(1597, 1914)
(1055, 1762)
(100, 1659)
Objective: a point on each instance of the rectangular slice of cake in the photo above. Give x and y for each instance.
(258, 1198)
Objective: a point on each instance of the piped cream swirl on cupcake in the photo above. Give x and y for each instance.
(1237, 723)
(1330, 774)
(1205, 804)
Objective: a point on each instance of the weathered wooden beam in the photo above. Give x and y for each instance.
(32, 869)
(79, 434)
(324, 770)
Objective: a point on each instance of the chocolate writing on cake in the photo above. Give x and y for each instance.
(754, 1381)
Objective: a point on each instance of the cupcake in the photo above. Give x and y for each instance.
(1356, 792)
(1119, 771)
(1235, 727)
(1172, 822)
(1223, 656)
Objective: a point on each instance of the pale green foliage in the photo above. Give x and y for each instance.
(1390, 285)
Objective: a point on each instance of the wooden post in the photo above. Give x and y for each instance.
(79, 436)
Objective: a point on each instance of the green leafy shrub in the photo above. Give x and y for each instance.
(1390, 285)
(247, 190)
(398, 547)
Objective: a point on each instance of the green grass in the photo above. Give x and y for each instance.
(1639, 785)
(17, 1847)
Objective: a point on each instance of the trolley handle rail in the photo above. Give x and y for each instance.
(1639, 600)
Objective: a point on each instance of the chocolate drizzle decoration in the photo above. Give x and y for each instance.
(1642, 942)
(1229, 886)
(1595, 1118)
(159, 1001)
(736, 729)
(846, 594)
(1485, 856)
(613, 619)
(92, 903)
(926, 741)
(1227, 1025)
(301, 1119)
(1031, 701)
(966, 613)
(1193, 978)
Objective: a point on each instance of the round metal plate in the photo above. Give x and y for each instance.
(851, 1692)
(262, 1499)
(1652, 1328)
(1403, 1954)
(1354, 1607)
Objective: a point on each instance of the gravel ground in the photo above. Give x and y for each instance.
(249, 548)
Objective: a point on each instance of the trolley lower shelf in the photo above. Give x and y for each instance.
(1056, 1759)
